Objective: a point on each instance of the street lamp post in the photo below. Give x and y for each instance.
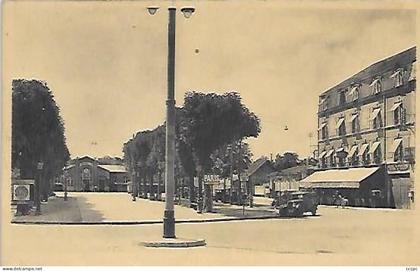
(65, 185)
(169, 217)
(39, 167)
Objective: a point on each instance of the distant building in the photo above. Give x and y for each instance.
(88, 174)
(257, 173)
(368, 120)
(288, 179)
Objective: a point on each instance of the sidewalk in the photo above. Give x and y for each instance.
(118, 208)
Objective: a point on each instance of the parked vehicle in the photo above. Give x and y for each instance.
(58, 187)
(297, 203)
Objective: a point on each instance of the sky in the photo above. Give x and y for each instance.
(105, 62)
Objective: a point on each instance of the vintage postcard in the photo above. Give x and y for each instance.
(209, 133)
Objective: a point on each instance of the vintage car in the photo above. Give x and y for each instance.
(297, 203)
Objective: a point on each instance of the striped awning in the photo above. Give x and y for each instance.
(375, 145)
(329, 153)
(413, 71)
(340, 122)
(353, 89)
(322, 126)
(363, 149)
(375, 113)
(377, 80)
(395, 106)
(338, 178)
(397, 143)
(353, 150)
(322, 154)
(397, 72)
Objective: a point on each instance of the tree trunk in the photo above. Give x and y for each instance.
(191, 188)
(159, 193)
(208, 198)
(200, 192)
(151, 194)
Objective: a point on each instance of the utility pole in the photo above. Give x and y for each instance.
(40, 165)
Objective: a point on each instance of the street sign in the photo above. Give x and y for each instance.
(21, 192)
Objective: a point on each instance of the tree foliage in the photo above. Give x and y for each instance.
(37, 130)
(214, 120)
(205, 126)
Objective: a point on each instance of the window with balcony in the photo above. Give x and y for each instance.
(323, 102)
(324, 131)
(376, 153)
(376, 118)
(398, 150)
(398, 77)
(365, 154)
(341, 127)
(341, 154)
(398, 113)
(323, 162)
(376, 86)
(355, 127)
(353, 158)
(330, 158)
(354, 92)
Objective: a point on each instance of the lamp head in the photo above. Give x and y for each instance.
(152, 9)
(187, 11)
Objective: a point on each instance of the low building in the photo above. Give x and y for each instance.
(88, 174)
(257, 174)
(366, 187)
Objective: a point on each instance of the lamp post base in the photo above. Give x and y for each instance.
(175, 243)
(169, 224)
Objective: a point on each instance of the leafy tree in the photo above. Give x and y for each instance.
(37, 132)
(287, 160)
(213, 120)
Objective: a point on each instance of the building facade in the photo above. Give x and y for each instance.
(368, 120)
(89, 174)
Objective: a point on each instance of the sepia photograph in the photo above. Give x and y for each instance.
(209, 133)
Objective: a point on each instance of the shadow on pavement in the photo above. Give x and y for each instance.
(58, 210)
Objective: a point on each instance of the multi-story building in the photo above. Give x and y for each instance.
(368, 120)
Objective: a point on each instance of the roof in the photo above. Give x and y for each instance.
(114, 168)
(406, 57)
(294, 170)
(256, 165)
(338, 178)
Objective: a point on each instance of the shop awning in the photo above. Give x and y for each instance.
(340, 121)
(329, 153)
(353, 150)
(397, 143)
(353, 117)
(375, 145)
(395, 106)
(338, 178)
(375, 113)
(413, 71)
(363, 149)
(322, 154)
(342, 149)
(375, 82)
(322, 126)
(353, 89)
(397, 72)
